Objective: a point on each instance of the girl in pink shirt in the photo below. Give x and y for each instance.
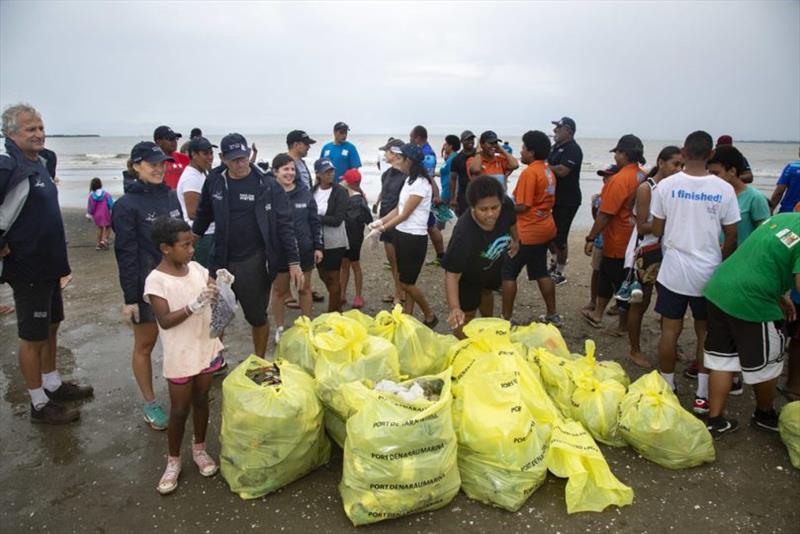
(98, 209)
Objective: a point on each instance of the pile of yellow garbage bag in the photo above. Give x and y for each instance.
(789, 428)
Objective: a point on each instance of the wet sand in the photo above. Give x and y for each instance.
(99, 475)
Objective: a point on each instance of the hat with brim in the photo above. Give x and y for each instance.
(489, 137)
(608, 171)
(628, 142)
(467, 134)
(234, 146)
(323, 165)
(565, 121)
(149, 152)
(412, 152)
(200, 144)
(165, 132)
(392, 143)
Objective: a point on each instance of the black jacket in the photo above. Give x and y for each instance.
(132, 220)
(358, 214)
(272, 214)
(307, 226)
(337, 206)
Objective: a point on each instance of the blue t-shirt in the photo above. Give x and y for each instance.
(790, 177)
(444, 175)
(429, 159)
(344, 157)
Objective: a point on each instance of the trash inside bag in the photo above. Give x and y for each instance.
(224, 309)
(789, 428)
(296, 346)
(272, 427)
(556, 375)
(541, 336)
(652, 421)
(595, 404)
(399, 455)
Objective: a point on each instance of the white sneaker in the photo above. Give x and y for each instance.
(278, 333)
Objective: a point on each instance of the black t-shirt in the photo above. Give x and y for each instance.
(459, 166)
(476, 253)
(568, 189)
(244, 238)
(391, 184)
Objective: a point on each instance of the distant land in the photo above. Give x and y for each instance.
(69, 135)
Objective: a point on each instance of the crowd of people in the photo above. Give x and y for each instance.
(689, 227)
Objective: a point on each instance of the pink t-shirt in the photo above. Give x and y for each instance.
(188, 348)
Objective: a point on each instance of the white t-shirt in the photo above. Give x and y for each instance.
(695, 209)
(417, 222)
(321, 197)
(647, 239)
(191, 180)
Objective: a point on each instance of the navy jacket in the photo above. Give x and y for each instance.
(272, 215)
(132, 220)
(307, 228)
(358, 214)
(337, 206)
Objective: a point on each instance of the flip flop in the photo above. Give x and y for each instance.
(591, 321)
(388, 299)
(316, 297)
(291, 303)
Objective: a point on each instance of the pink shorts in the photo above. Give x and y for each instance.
(215, 365)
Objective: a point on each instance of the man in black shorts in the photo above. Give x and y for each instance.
(474, 256)
(254, 233)
(33, 258)
(391, 184)
(458, 200)
(565, 162)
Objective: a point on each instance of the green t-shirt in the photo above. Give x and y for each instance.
(749, 284)
(753, 207)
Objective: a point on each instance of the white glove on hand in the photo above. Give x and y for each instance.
(376, 224)
(203, 299)
(374, 233)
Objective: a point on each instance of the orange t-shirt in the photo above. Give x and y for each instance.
(536, 188)
(497, 167)
(617, 200)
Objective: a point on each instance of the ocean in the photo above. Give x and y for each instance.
(82, 158)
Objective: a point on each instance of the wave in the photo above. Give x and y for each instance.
(103, 156)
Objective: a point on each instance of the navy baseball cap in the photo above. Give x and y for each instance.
(466, 134)
(628, 142)
(299, 136)
(340, 126)
(489, 137)
(412, 152)
(391, 143)
(149, 152)
(165, 132)
(565, 121)
(323, 165)
(234, 146)
(200, 144)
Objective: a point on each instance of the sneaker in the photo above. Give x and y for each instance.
(358, 302)
(766, 420)
(700, 406)
(637, 294)
(155, 417)
(719, 426)
(737, 387)
(691, 371)
(555, 320)
(169, 480)
(558, 278)
(53, 414)
(278, 334)
(70, 391)
(624, 293)
(207, 466)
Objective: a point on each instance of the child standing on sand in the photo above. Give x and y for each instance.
(358, 216)
(180, 292)
(98, 209)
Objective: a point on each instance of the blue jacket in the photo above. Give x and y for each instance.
(132, 220)
(272, 215)
(307, 228)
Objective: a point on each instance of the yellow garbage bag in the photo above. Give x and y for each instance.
(421, 350)
(654, 423)
(296, 345)
(337, 336)
(399, 456)
(340, 362)
(541, 336)
(606, 370)
(595, 404)
(789, 428)
(592, 486)
(270, 435)
(357, 315)
(556, 375)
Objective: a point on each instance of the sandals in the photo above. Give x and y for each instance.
(316, 297)
(291, 303)
(432, 323)
(591, 321)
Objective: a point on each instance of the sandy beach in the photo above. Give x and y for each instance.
(99, 475)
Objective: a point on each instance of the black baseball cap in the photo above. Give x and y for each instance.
(565, 121)
(340, 126)
(608, 171)
(323, 165)
(199, 144)
(234, 146)
(628, 142)
(149, 152)
(489, 137)
(196, 132)
(466, 134)
(165, 132)
(298, 136)
(412, 152)
(392, 142)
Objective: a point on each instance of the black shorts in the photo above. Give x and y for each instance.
(431, 220)
(470, 292)
(38, 305)
(252, 287)
(755, 349)
(410, 250)
(610, 276)
(534, 257)
(673, 305)
(332, 259)
(355, 240)
(388, 237)
(306, 262)
(146, 314)
(563, 216)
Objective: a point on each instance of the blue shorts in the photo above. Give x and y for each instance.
(673, 305)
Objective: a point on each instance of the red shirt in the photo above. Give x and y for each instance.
(174, 169)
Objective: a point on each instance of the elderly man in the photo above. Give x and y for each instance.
(33, 252)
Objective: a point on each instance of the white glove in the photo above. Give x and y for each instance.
(203, 299)
(374, 233)
(130, 313)
(376, 224)
(89, 216)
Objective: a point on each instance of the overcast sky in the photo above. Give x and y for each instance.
(658, 70)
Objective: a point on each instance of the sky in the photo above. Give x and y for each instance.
(656, 69)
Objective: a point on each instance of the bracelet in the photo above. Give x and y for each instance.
(187, 311)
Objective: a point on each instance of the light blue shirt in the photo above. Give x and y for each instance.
(344, 157)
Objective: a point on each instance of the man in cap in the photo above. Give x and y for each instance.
(391, 183)
(254, 233)
(195, 133)
(190, 186)
(297, 143)
(565, 161)
(167, 139)
(747, 174)
(419, 137)
(341, 152)
(458, 189)
(33, 258)
(492, 160)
